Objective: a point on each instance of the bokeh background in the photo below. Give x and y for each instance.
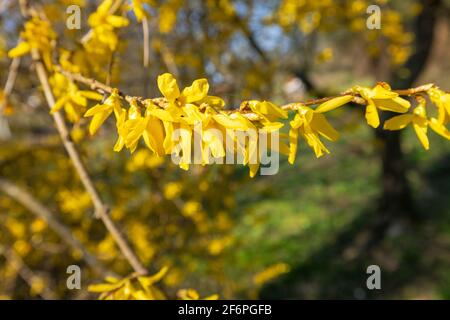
(308, 232)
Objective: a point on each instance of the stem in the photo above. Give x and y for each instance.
(145, 45)
(101, 209)
(9, 85)
(103, 88)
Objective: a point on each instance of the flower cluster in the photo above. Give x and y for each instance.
(103, 23)
(70, 97)
(38, 35)
(156, 121)
(137, 287)
(130, 288)
(192, 109)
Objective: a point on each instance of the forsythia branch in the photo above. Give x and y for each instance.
(161, 101)
(100, 208)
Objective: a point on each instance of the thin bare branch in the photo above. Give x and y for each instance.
(145, 44)
(9, 85)
(100, 208)
(160, 101)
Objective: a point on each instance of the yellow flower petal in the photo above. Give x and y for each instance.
(92, 95)
(150, 280)
(314, 142)
(154, 136)
(320, 124)
(136, 128)
(372, 116)
(231, 122)
(117, 21)
(334, 103)
(20, 50)
(268, 109)
(421, 132)
(398, 122)
(98, 120)
(96, 109)
(293, 143)
(215, 102)
(168, 143)
(297, 122)
(397, 104)
(59, 104)
(380, 92)
(168, 86)
(197, 91)
(253, 169)
(439, 128)
(104, 287)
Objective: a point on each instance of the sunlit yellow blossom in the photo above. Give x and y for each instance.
(101, 112)
(103, 38)
(420, 123)
(168, 15)
(442, 100)
(39, 35)
(73, 100)
(168, 86)
(102, 16)
(138, 9)
(269, 113)
(381, 97)
(310, 125)
(334, 103)
(131, 288)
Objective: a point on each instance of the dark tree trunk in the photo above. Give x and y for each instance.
(396, 196)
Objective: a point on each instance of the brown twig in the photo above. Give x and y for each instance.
(414, 91)
(145, 42)
(101, 210)
(160, 101)
(109, 75)
(9, 85)
(11, 79)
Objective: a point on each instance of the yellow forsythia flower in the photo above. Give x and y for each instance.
(101, 112)
(442, 100)
(131, 288)
(420, 123)
(310, 124)
(39, 35)
(381, 97)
